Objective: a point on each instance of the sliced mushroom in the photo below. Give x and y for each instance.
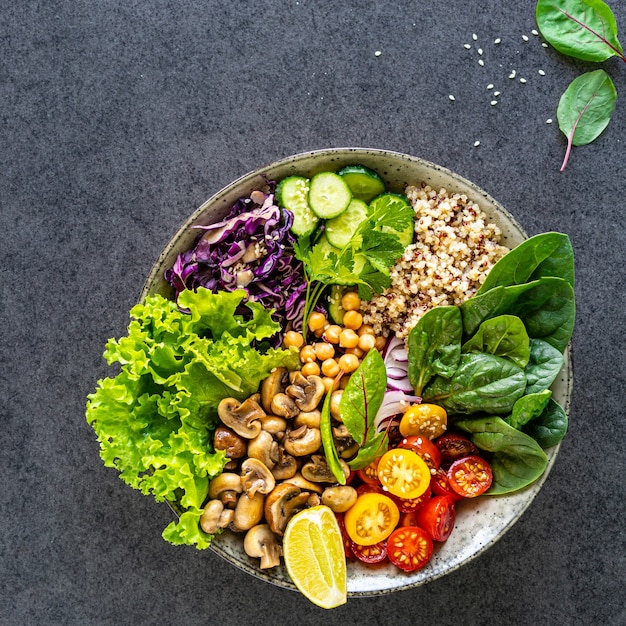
(314, 391)
(248, 512)
(282, 503)
(274, 424)
(299, 481)
(271, 385)
(302, 441)
(256, 477)
(242, 417)
(339, 498)
(284, 406)
(285, 466)
(335, 399)
(317, 470)
(344, 443)
(226, 488)
(264, 448)
(215, 516)
(308, 418)
(228, 440)
(260, 542)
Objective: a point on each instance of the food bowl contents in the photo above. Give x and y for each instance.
(342, 365)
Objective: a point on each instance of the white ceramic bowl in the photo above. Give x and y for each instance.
(480, 522)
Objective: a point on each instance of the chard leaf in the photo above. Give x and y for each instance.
(517, 460)
(543, 366)
(328, 443)
(362, 397)
(374, 448)
(527, 408)
(434, 346)
(584, 29)
(585, 109)
(481, 383)
(503, 336)
(550, 427)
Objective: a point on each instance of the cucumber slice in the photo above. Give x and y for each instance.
(390, 202)
(326, 247)
(340, 229)
(329, 195)
(291, 194)
(364, 183)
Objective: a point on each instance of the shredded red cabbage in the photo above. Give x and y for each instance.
(251, 249)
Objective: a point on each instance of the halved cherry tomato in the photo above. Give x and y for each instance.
(424, 420)
(408, 519)
(406, 505)
(440, 486)
(454, 446)
(403, 473)
(437, 517)
(470, 476)
(371, 519)
(409, 548)
(369, 473)
(425, 448)
(347, 542)
(370, 554)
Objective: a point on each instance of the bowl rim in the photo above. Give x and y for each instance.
(223, 198)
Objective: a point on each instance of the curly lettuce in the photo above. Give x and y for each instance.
(155, 419)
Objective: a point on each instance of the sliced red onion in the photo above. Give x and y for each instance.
(394, 402)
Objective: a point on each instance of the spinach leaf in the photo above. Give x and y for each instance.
(527, 408)
(434, 345)
(585, 109)
(359, 405)
(328, 443)
(546, 254)
(481, 383)
(503, 336)
(550, 427)
(584, 29)
(543, 367)
(548, 311)
(517, 460)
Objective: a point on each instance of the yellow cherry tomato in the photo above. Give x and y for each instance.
(403, 473)
(424, 420)
(371, 519)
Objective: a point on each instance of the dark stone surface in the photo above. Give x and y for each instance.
(118, 118)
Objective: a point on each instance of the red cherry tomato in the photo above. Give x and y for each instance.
(370, 554)
(406, 505)
(409, 548)
(425, 448)
(454, 446)
(470, 476)
(369, 473)
(347, 542)
(366, 488)
(437, 517)
(441, 487)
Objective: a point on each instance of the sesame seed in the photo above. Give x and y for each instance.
(451, 97)
(497, 41)
(467, 46)
(544, 44)
(377, 53)
(489, 86)
(534, 32)
(476, 144)
(512, 74)
(475, 37)
(480, 51)
(542, 73)
(525, 37)
(493, 103)
(549, 121)
(496, 93)
(481, 62)
(522, 80)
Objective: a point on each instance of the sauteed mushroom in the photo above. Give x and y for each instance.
(282, 503)
(215, 516)
(242, 417)
(256, 477)
(302, 441)
(260, 542)
(226, 488)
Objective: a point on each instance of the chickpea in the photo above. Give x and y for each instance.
(350, 301)
(332, 332)
(330, 367)
(365, 329)
(311, 369)
(317, 320)
(381, 342)
(335, 401)
(328, 383)
(367, 342)
(292, 338)
(345, 379)
(324, 350)
(356, 351)
(353, 320)
(307, 354)
(348, 362)
(348, 338)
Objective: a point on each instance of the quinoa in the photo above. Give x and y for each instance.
(454, 248)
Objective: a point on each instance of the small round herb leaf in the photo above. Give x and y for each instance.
(585, 109)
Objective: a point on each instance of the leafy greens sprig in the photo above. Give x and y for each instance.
(366, 259)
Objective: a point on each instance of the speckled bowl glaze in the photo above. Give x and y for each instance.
(481, 522)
